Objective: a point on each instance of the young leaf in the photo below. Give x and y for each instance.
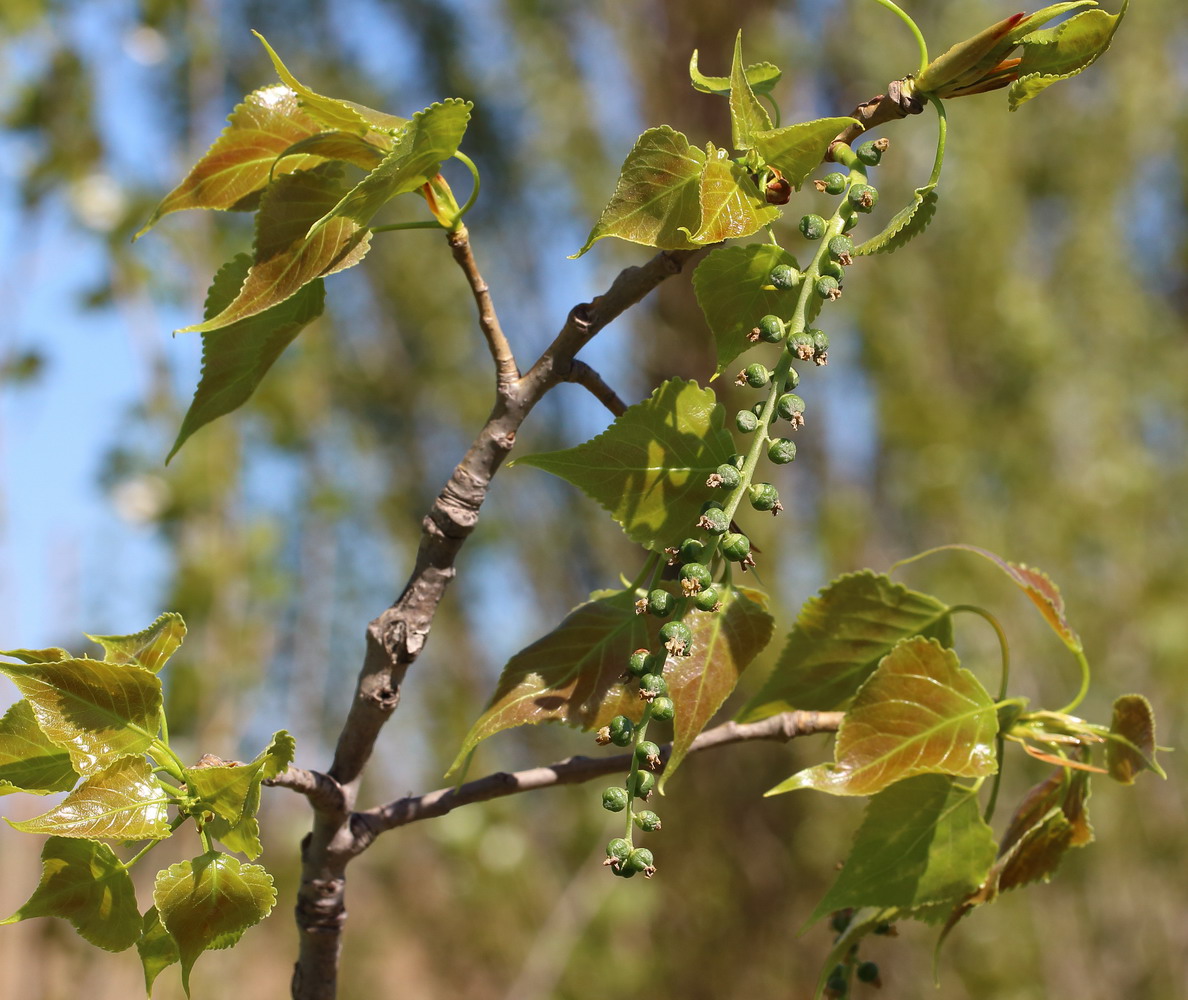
(729, 287)
(84, 882)
(29, 760)
(157, 948)
(243, 834)
(724, 644)
(51, 655)
(920, 712)
(345, 146)
(1064, 51)
(922, 842)
(207, 899)
(649, 468)
(244, 158)
(236, 358)
(656, 200)
(98, 712)
(965, 56)
(285, 261)
(431, 137)
(905, 225)
(331, 112)
(796, 150)
(122, 802)
(732, 206)
(762, 78)
(150, 648)
(839, 638)
(747, 115)
(1134, 722)
(227, 789)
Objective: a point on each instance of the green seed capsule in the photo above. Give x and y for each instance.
(653, 686)
(737, 461)
(757, 376)
(812, 227)
(832, 269)
(622, 730)
(618, 849)
(677, 638)
(643, 662)
(695, 577)
(707, 599)
(615, 799)
(640, 860)
(784, 277)
(623, 871)
(735, 546)
(727, 476)
(692, 549)
(789, 406)
(849, 223)
(834, 183)
(647, 821)
(771, 328)
(827, 287)
(820, 341)
(801, 344)
(746, 421)
(841, 919)
(714, 521)
(661, 603)
(869, 153)
(763, 496)
(642, 784)
(711, 505)
(863, 197)
(662, 708)
(868, 972)
(781, 451)
(791, 380)
(841, 248)
(648, 755)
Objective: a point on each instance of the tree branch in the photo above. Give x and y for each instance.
(506, 369)
(879, 110)
(582, 374)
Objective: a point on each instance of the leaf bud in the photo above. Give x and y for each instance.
(746, 421)
(863, 197)
(735, 546)
(781, 450)
(647, 821)
(663, 708)
(615, 799)
(785, 277)
(771, 328)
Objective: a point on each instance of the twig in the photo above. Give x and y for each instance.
(879, 110)
(583, 374)
(506, 369)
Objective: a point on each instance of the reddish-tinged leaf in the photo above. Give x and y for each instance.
(920, 712)
(149, 648)
(1051, 758)
(732, 205)
(1061, 788)
(965, 55)
(1134, 722)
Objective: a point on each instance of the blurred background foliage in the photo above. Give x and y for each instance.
(1017, 378)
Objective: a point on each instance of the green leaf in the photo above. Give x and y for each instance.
(244, 158)
(649, 468)
(656, 199)
(157, 948)
(922, 842)
(762, 78)
(122, 802)
(729, 284)
(732, 206)
(724, 643)
(908, 223)
(98, 712)
(285, 260)
(29, 760)
(747, 115)
(150, 648)
(50, 655)
(331, 112)
(1062, 52)
(920, 712)
(209, 898)
(84, 882)
(797, 150)
(345, 146)
(431, 137)
(838, 640)
(236, 358)
(1134, 750)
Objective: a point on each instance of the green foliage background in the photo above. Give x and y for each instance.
(1017, 379)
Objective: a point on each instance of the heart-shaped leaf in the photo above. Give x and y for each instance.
(649, 468)
(1134, 723)
(236, 358)
(656, 199)
(124, 801)
(732, 205)
(29, 760)
(797, 150)
(149, 648)
(747, 115)
(84, 882)
(920, 712)
(729, 284)
(762, 78)
(98, 712)
(922, 842)
(203, 901)
(838, 640)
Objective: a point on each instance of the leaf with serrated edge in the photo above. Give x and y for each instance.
(431, 137)
(838, 640)
(149, 648)
(244, 158)
(747, 115)
(29, 760)
(731, 204)
(797, 150)
(122, 802)
(345, 146)
(920, 712)
(724, 644)
(648, 469)
(51, 655)
(729, 284)
(204, 900)
(285, 261)
(922, 842)
(226, 788)
(1134, 722)
(1063, 52)
(236, 358)
(656, 199)
(96, 711)
(156, 947)
(330, 111)
(84, 882)
(905, 225)
(762, 77)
